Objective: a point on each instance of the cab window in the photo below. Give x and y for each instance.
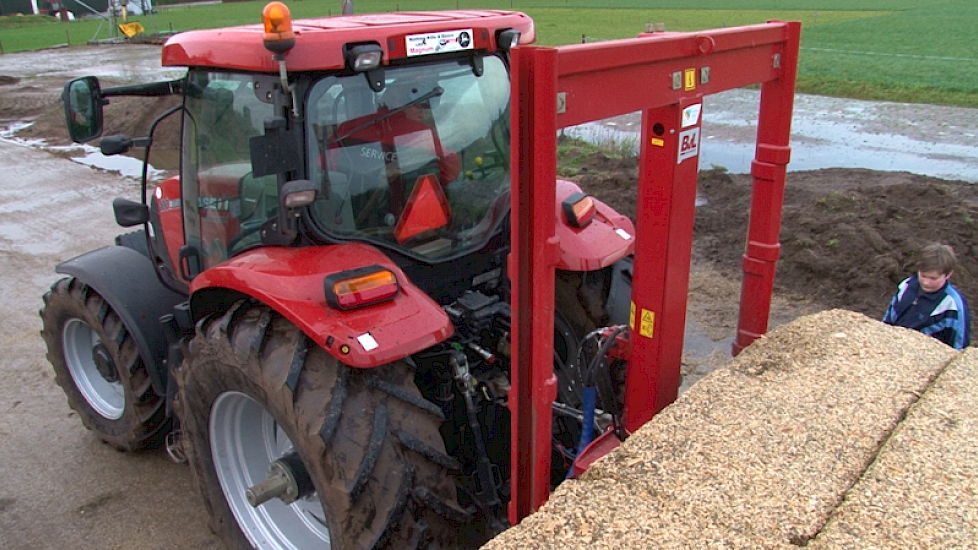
(224, 205)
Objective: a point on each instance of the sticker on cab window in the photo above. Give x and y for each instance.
(439, 42)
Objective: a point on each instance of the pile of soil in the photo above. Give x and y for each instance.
(848, 236)
(41, 105)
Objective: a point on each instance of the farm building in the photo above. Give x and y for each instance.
(80, 8)
(25, 7)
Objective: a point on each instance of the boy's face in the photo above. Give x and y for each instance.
(932, 281)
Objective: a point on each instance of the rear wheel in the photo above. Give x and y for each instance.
(97, 364)
(579, 309)
(581, 298)
(254, 391)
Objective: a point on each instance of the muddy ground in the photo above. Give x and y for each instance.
(848, 238)
(848, 235)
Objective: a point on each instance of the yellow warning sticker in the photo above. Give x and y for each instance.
(657, 142)
(631, 316)
(690, 79)
(648, 322)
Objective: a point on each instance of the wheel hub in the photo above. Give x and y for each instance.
(104, 363)
(92, 369)
(287, 481)
(254, 459)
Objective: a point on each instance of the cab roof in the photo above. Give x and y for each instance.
(319, 42)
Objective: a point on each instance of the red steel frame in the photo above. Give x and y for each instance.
(662, 75)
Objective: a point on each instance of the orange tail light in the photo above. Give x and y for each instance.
(579, 209)
(360, 287)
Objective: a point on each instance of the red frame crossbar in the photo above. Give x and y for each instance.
(664, 76)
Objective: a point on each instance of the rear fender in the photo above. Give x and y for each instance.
(127, 280)
(608, 238)
(290, 281)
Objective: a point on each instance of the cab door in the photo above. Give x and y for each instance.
(224, 205)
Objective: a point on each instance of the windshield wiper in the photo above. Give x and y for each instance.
(437, 91)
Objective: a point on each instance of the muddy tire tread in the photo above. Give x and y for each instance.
(377, 436)
(144, 423)
(335, 408)
(445, 460)
(582, 306)
(298, 362)
(365, 478)
(398, 392)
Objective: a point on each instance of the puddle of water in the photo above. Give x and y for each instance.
(827, 133)
(698, 350)
(7, 133)
(134, 63)
(90, 156)
(132, 70)
(127, 166)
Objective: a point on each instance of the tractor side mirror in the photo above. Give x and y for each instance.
(114, 145)
(83, 102)
(129, 213)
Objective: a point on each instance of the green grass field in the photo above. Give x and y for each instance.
(903, 50)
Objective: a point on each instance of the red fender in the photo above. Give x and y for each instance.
(290, 281)
(608, 238)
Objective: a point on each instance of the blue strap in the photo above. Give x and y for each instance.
(587, 425)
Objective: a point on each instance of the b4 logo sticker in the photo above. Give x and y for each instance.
(689, 144)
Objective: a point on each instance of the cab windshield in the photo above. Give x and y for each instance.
(421, 166)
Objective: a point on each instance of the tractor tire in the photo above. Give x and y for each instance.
(581, 299)
(97, 364)
(253, 388)
(579, 309)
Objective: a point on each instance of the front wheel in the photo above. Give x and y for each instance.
(362, 447)
(97, 364)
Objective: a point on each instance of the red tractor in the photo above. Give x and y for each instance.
(316, 312)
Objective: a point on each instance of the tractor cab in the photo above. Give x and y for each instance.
(402, 144)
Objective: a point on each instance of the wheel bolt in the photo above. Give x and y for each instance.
(279, 484)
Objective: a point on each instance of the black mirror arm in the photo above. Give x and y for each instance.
(152, 89)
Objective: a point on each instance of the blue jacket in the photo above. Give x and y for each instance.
(943, 314)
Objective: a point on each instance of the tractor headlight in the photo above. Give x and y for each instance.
(508, 39)
(364, 57)
(367, 59)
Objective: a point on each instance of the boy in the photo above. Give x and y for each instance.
(928, 302)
